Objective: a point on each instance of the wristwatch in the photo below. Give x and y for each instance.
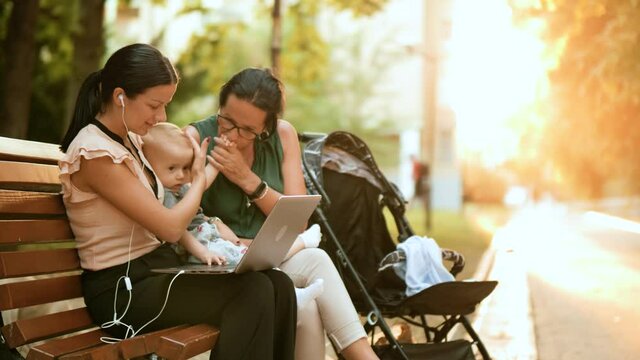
(259, 192)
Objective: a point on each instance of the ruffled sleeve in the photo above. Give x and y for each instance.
(90, 143)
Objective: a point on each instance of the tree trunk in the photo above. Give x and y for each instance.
(20, 53)
(276, 37)
(88, 48)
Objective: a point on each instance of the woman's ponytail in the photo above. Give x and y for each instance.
(87, 107)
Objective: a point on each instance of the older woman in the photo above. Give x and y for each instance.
(263, 164)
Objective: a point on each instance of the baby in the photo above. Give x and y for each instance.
(170, 154)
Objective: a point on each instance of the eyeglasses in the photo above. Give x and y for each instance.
(227, 125)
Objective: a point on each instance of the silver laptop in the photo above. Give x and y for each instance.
(268, 249)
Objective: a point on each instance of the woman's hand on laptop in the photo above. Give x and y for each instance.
(211, 258)
(201, 252)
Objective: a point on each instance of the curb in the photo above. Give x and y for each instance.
(486, 263)
(482, 273)
(504, 320)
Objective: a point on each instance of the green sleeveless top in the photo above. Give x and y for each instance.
(226, 200)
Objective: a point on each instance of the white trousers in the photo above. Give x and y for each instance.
(332, 311)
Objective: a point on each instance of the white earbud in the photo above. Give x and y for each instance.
(121, 97)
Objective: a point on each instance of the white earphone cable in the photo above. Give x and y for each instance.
(163, 305)
(118, 320)
(125, 124)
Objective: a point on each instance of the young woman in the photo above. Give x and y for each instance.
(114, 204)
(264, 164)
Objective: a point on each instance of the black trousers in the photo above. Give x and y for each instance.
(256, 311)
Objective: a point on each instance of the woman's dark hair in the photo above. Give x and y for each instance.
(134, 68)
(260, 88)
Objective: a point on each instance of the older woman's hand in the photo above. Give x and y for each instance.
(228, 159)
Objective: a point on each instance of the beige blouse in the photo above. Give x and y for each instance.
(103, 233)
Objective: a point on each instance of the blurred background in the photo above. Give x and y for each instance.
(500, 102)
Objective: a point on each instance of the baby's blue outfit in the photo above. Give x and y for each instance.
(205, 231)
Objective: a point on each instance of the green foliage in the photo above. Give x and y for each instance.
(210, 59)
(330, 85)
(356, 89)
(317, 98)
(5, 13)
(57, 21)
(359, 7)
(317, 94)
(306, 71)
(305, 59)
(594, 104)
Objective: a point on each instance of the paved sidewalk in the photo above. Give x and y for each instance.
(504, 319)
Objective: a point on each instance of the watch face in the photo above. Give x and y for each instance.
(259, 192)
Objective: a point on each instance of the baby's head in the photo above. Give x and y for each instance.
(170, 154)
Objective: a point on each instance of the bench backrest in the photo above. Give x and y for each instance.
(40, 288)
(38, 261)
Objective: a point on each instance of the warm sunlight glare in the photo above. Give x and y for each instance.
(611, 221)
(494, 71)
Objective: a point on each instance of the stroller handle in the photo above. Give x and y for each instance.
(307, 136)
(456, 258)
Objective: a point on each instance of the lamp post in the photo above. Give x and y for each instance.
(437, 135)
(429, 80)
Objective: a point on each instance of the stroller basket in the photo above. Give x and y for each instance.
(450, 350)
(340, 167)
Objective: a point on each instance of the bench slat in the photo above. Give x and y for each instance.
(52, 349)
(100, 352)
(26, 331)
(131, 348)
(30, 151)
(34, 231)
(126, 349)
(36, 292)
(23, 263)
(17, 175)
(30, 203)
(188, 342)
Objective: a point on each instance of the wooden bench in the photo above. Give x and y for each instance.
(40, 293)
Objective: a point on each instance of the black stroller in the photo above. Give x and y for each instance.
(340, 167)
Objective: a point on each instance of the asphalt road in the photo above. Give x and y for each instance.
(583, 272)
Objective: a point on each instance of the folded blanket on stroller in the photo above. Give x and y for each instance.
(423, 265)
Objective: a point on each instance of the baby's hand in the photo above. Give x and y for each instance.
(210, 171)
(226, 233)
(199, 157)
(211, 258)
(235, 241)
